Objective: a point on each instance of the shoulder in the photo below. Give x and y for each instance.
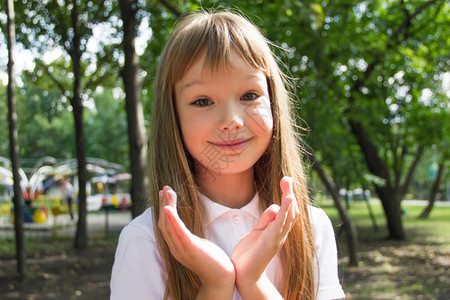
(142, 227)
(137, 259)
(137, 242)
(318, 217)
(322, 227)
(325, 243)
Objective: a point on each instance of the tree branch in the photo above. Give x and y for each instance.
(170, 7)
(403, 27)
(99, 11)
(62, 30)
(95, 79)
(411, 170)
(432, 19)
(332, 188)
(58, 84)
(409, 18)
(374, 162)
(376, 165)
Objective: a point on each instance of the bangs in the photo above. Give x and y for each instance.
(217, 35)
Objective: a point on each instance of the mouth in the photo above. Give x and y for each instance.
(236, 145)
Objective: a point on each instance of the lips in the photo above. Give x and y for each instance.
(236, 145)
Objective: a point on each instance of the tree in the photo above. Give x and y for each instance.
(438, 167)
(434, 191)
(349, 225)
(69, 26)
(107, 127)
(46, 125)
(4, 129)
(393, 170)
(74, 51)
(137, 135)
(13, 144)
(363, 68)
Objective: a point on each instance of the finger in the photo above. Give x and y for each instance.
(268, 216)
(291, 215)
(164, 224)
(166, 197)
(165, 200)
(283, 221)
(168, 200)
(177, 226)
(287, 186)
(286, 206)
(171, 196)
(162, 217)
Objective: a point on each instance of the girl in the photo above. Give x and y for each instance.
(229, 223)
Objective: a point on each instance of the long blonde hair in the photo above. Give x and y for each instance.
(220, 33)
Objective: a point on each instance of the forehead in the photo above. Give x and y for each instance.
(213, 37)
(201, 71)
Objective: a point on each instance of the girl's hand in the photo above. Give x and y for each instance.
(255, 250)
(204, 258)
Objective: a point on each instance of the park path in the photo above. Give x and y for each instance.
(97, 223)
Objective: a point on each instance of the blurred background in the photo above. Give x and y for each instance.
(370, 85)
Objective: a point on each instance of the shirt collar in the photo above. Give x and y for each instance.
(215, 210)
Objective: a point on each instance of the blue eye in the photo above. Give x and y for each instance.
(202, 102)
(250, 97)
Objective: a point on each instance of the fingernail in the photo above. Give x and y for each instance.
(174, 197)
(290, 180)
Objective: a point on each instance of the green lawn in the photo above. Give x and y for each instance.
(417, 268)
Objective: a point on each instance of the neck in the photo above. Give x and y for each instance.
(231, 190)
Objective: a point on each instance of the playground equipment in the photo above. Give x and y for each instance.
(37, 215)
(43, 193)
(111, 191)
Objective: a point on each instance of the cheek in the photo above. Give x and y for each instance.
(193, 132)
(260, 118)
(187, 130)
(192, 125)
(188, 141)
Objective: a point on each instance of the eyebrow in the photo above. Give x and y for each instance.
(203, 82)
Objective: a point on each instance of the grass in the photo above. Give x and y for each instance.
(37, 246)
(417, 268)
(55, 270)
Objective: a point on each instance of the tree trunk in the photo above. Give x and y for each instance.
(14, 146)
(391, 202)
(137, 135)
(369, 209)
(349, 225)
(434, 191)
(77, 105)
(81, 234)
(390, 197)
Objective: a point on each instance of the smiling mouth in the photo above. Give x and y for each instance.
(232, 145)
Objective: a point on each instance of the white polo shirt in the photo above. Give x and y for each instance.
(139, 273)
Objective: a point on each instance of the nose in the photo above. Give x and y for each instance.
(231, 117)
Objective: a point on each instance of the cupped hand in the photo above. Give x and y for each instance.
(204, 258)
(255, 250)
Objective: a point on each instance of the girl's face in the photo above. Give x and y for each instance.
(225, 115)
